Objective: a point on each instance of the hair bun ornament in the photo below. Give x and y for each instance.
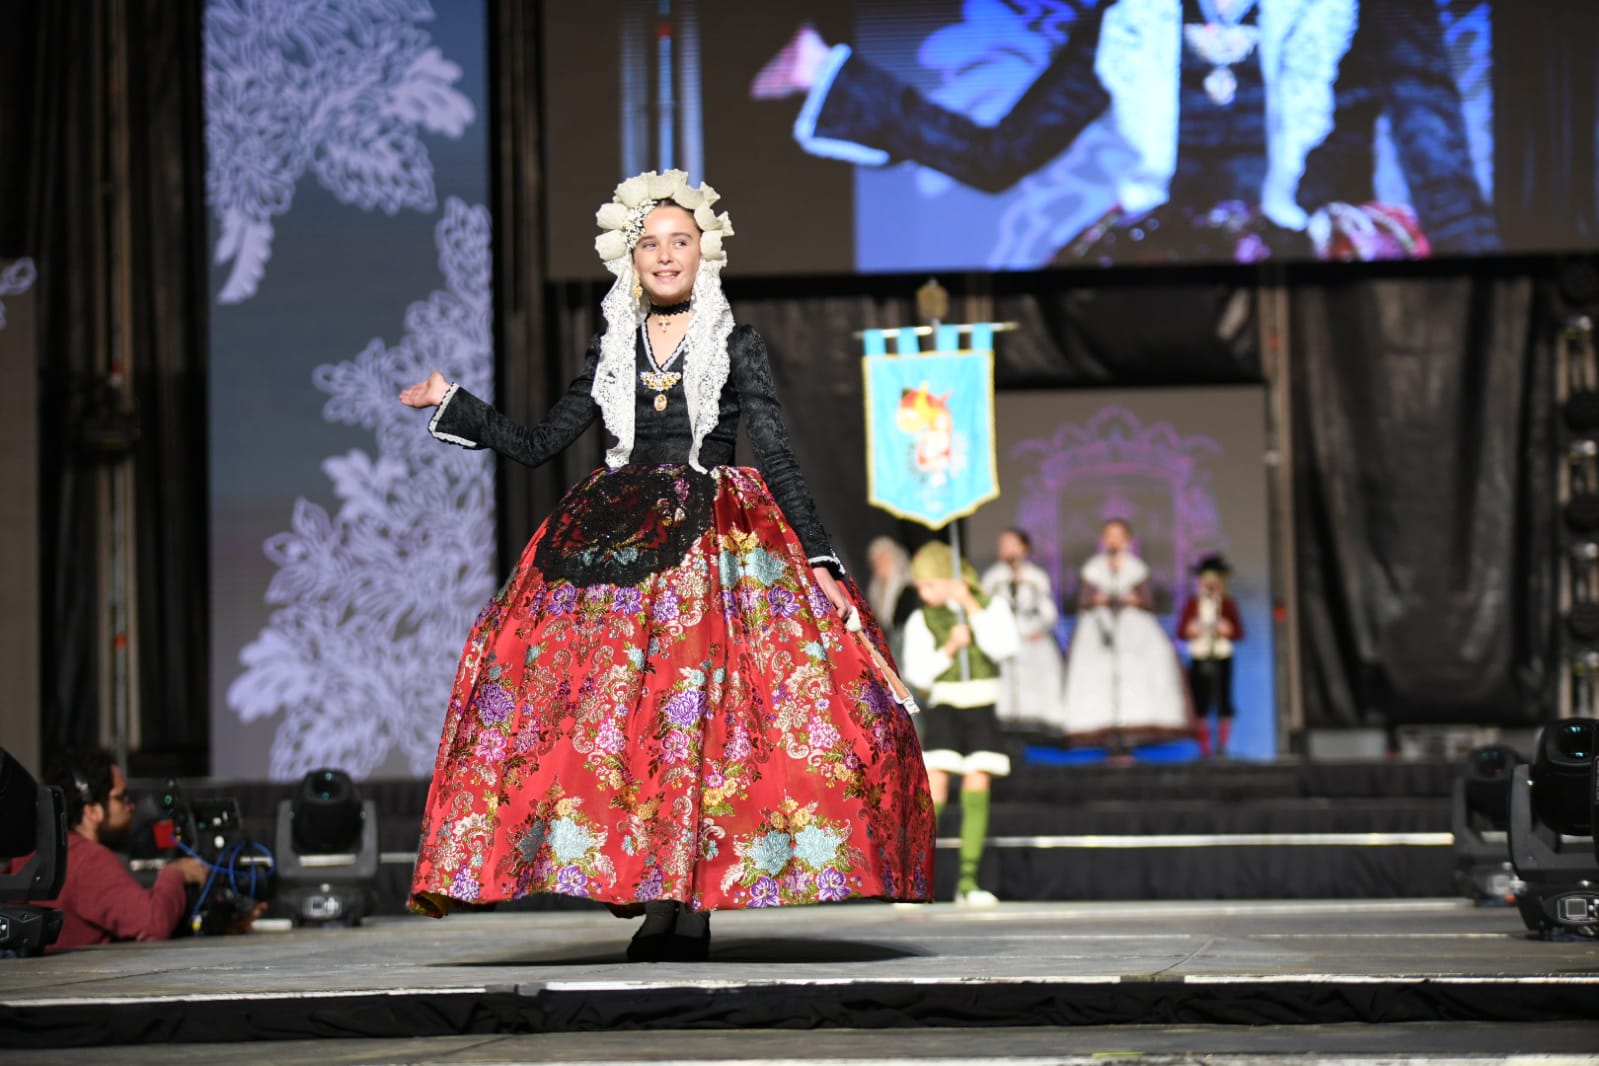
(622, 220)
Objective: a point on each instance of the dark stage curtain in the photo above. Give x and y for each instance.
(170, 327)
(58, 140)
(528, 379)
(53, 57)
(1423, 410)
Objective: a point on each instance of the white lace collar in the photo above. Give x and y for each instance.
(1132, 572)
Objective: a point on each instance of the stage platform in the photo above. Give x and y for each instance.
(1305, 967)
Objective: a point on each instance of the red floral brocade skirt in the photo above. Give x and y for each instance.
(661, 703)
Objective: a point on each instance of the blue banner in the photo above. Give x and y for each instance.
(930, 434)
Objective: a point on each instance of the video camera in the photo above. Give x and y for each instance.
(211, 829)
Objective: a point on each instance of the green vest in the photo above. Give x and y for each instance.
(941, 622)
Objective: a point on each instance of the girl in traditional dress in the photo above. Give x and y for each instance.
(671, 706)
(1124, 683)
(1030, 682)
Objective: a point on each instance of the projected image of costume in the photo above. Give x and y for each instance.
(1124, 683)
(676, 703)
(1030, 681)
(1248, 128)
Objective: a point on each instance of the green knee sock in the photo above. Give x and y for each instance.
(974, 831)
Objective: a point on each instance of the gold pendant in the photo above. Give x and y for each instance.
(1221, 84)
(660, 401)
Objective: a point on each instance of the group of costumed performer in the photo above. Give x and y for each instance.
(676, 703)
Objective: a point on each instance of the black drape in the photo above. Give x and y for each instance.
(527, 379)
(54, 56)
(1424, 491)
(171, 357)
(59, 198)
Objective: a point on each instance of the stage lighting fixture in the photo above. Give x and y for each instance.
(1582, 513)
(33, 823)
(1582, 623)
(1581, 411)
(1563, 776)
(1551, 802)
(1479, 818)
(327, 848)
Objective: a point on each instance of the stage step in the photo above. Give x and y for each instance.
(1203, 831)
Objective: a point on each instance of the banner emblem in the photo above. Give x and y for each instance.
(930, 434)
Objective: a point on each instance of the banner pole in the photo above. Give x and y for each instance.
(960, 615)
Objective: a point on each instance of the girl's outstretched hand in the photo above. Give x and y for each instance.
(429, 393)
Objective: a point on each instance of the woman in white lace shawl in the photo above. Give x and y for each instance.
(1124, 683)
(1030, 681)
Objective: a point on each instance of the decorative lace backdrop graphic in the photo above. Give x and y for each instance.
(344, 655)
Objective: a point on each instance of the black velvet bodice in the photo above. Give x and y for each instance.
(664, 436)
(1221, 148)
(660, 437)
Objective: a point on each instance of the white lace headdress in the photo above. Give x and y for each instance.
(705, 363)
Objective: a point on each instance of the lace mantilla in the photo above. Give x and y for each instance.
(705, 360)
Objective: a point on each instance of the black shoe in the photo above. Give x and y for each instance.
(652, 942)
(691, 936)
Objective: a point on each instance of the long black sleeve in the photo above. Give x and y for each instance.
(465, 420)
(752, 376)
(1398, 65)
(868, 106)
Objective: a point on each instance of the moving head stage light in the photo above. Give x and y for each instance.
(1552, 802)
(1479, 818)
(327, 846)
(33, 822)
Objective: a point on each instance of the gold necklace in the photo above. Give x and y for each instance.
(658, 379)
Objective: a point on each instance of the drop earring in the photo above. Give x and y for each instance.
(638, 291)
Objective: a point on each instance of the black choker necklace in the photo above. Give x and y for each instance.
(668, 310)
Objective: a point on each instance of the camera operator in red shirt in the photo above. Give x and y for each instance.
(101, 900)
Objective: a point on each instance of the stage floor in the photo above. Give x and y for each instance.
(1310, 972)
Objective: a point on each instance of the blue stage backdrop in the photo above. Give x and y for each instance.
(1186, 467)
(347, 175)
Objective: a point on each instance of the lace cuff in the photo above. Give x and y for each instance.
(830, 561)
(443, 422)
(810, 114)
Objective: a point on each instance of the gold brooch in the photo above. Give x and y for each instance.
(660, 381)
